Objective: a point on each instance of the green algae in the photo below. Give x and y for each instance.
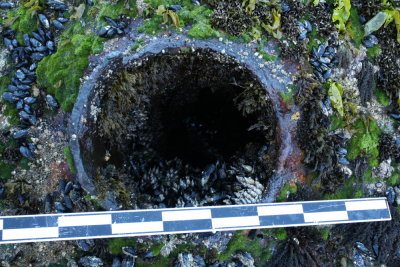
(394, 179)
(373, 52)
(196, 16)
(356, 30)
(61, 72)
(22, 20)
(115, 245)
(382, 97)
(240, 242)
(286, 191)
(344, 192)
(280, 233)
(70, 159)
(365, 141)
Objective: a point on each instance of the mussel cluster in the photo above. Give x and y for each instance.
(324, 59)
(26, 57)
(113, 28)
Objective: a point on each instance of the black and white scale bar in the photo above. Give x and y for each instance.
(106, 224)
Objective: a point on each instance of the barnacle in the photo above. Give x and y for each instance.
(320, 18)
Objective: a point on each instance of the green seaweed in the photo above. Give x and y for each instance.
(325, 231)
(115, 245)
(70, 159)
(286, 191)
(365, 140)
(240, 242)
(5, 170)
(373, 52)
(382, 97)
(336, 123)
(394, 179)
(344, 192)
(61, 72)
(280, 233)
(341, 14)
(356, 30)
(22, 20)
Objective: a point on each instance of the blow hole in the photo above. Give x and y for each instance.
(181, 129)
(200, 124)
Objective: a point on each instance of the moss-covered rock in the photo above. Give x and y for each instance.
(61, 72)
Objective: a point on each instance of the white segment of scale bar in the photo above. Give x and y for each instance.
(325, 216)
(139, 227)
(84, 220)
(366, 205)
(27, 233)
(1, 224)
(184, 215)
(279, 210)
(235, 222)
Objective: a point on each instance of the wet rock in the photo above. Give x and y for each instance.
(149, 255)
(128, 262)
(91, 261)
(110, 203)
(51, 101)
(175, 8)
(60, 207)
(129, 251)
(116, 262)
(85, 244)
(68, 202)
(188, 260)
(241, 259)
(6, 5)
(384, 170)
(397, 191)
(390, 195)
(72, 263)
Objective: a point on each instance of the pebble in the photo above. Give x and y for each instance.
(85, 244)
(91, 261)
(51, 101)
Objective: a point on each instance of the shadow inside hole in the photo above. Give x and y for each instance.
(173, 122)
(201, 125)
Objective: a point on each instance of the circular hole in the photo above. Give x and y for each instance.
(181, 129)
